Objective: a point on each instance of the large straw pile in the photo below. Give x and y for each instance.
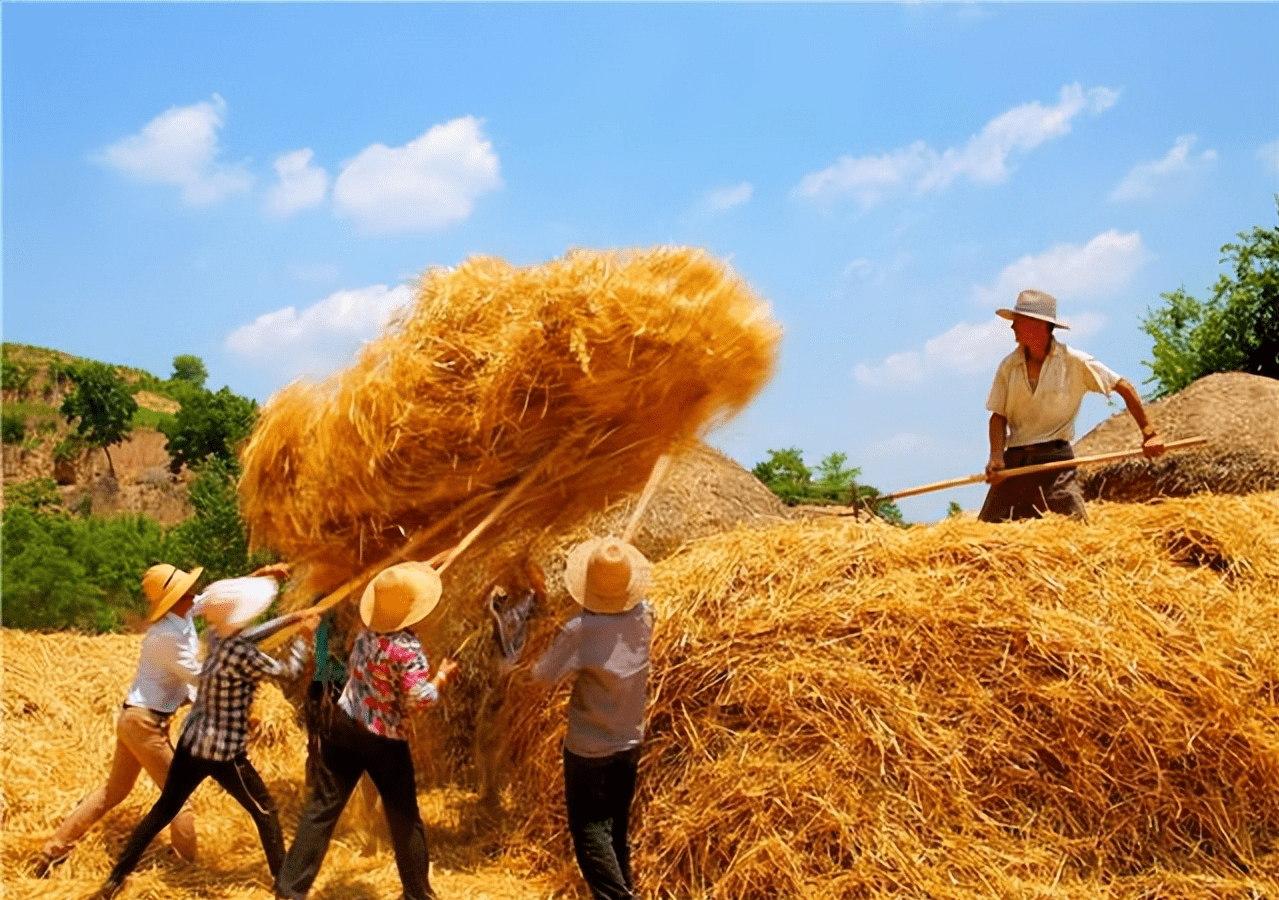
(576, 374)
(1237, 412)
(1040, 709)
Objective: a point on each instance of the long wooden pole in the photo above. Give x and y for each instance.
(1038, 467)
(655, 479)
(443, 559)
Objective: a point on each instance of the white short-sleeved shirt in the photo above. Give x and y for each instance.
(168, 665)
(1046, 412)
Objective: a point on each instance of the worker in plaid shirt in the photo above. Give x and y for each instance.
(212, 744)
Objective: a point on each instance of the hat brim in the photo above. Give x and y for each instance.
(1009, 313)
(422, 606)
(175, 592)
(575, 567)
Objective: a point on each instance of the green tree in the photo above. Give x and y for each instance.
(215, 536)
(1236, 331)
(189, 369)
(103, 405)
(60, 572)
(785, 474)
(209, 426)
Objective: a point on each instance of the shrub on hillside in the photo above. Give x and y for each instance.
(13, 428)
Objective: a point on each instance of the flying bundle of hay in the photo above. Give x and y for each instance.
(1037, 709)
(569, 379)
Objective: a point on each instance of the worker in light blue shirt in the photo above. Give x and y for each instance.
(604, 649)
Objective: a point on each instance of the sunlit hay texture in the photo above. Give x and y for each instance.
(60, 696)
(603, 359)
(704, 492)
(1038, 709)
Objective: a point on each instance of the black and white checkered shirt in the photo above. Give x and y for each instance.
(218, 725)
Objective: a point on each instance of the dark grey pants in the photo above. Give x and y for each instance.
(598, 793)
(1030, 496)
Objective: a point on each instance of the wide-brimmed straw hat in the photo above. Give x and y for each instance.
(400, 596)
(607, 575)
(164, 585)
(231, 604)
(1034, 305)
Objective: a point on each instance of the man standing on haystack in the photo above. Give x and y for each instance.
(605, 649)
(1033, 403)
(165, 680)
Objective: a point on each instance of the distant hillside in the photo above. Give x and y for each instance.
(39, 444)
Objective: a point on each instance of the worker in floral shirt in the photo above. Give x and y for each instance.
(388, 679)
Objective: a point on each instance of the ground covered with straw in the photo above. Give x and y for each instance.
(838, 709)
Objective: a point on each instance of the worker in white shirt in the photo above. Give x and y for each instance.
(166, 678)
(1033, 403)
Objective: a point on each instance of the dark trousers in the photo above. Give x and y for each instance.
(346, 752)
(598, 793)
(237, 777)
(1030, 496)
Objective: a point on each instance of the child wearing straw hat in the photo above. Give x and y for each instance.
(605, 649)
(1033, 402)
(388, 679)
(165, 680)
(212, 743)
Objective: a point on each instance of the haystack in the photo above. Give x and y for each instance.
(1038, 709)
(1237, 412)
(704, 493)
(569, 378)
(1041, 709)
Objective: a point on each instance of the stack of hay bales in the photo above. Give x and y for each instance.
(1036, 709)
(1237, 412)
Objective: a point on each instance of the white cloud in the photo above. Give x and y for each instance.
(1070, 272)
(429, 183)
(983, 160)
(868, 178)
(1269, 156)
(301, 185)
(963, 349)
(726, 198)
(180, 148)
(320, 338)
(1145, 179)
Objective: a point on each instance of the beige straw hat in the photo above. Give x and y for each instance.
(164, 585)
(400, 596)
(607, 575)
(1035, 305)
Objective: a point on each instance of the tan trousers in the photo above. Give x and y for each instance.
(142, 742)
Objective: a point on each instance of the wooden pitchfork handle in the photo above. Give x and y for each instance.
(1037, 467)
(655, 479)
(443, 559)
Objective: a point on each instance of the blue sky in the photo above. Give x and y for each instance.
(260, 184)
